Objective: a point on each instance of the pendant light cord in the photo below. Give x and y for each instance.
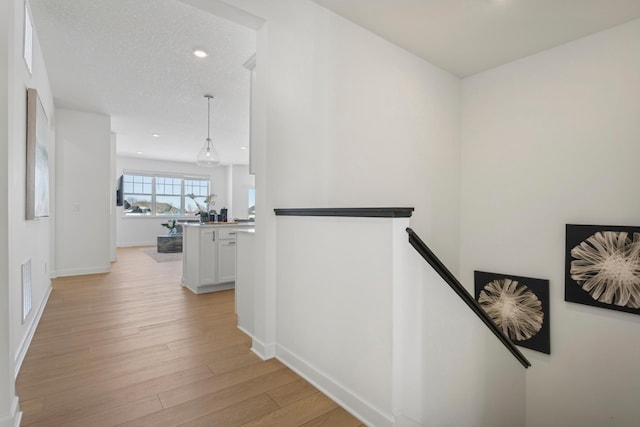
(208, 121)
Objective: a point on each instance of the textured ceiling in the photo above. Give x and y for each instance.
(465, 37)
(133, 60)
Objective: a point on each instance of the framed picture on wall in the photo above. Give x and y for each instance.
(602, 266)
(518, 305)
(37, 191)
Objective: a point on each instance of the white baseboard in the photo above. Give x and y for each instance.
(203, 289)
(259, 350)
(26, 342)
(14, 418)
(264, 351)
(244, 331)
(134, 244)
(82, 271)
(346, 398)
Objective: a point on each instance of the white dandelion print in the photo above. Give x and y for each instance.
(519, 306)
(515, 309)
(607, 266)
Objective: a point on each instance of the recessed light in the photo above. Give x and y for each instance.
(243, 148)
(200, 53)
(155, 135)
(139, 152)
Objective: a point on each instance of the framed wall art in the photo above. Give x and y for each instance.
(37, 191)
(518, 305)
(602, 266)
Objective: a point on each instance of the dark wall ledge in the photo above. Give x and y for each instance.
(350, 212)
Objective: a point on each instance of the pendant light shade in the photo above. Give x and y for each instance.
(208, 156)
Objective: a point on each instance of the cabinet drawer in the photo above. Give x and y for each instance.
(226, 234)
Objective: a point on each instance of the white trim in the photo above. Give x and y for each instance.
(262, 350)
(83, 271)
(27, 39)
(16, 412)
(358, 407)
(245, 331)
(153, 174)
(14, 418)
(257, 347)
(134, 244)
(402, 420)
(26, 342)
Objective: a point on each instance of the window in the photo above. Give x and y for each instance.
(197, 191)
(168, 196)
(138, 194)
(152, 195)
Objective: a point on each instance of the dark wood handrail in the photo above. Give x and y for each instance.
(371, 212)
(446, 275)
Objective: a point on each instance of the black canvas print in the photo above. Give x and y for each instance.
(602, 266)
(518, 305)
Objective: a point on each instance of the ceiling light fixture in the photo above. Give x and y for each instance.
(208, 156)
(200, 53)
(155, 135)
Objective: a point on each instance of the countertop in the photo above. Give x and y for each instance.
(219, 224)
(247, 230)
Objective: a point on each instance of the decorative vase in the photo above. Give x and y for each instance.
(204, 217)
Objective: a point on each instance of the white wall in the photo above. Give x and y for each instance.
(139, 231)
(242, 182)
(335, 315)
(83, 192)
(468, 377)
(355, 121)
(19, 239)
(112, 205)
(393, 344)
(7, 387)
(344, 119)
(549, 140)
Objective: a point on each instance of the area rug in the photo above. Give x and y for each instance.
(162, 257)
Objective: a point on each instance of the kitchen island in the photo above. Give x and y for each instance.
(209, 256)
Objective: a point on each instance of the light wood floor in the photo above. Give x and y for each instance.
(133, 348)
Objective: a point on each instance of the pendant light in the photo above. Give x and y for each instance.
(208, 156)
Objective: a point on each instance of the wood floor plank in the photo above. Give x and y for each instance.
(120, 414)
(218, 382)
(70, 406)
(290, 393)
(31, 408)
(213, 402)
(238, 414)
(151, 380)
(333, 418)
(296, 414)
(134, 348)
(225, 365)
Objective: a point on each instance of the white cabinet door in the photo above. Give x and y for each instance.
(226, 260)
(208, 252)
